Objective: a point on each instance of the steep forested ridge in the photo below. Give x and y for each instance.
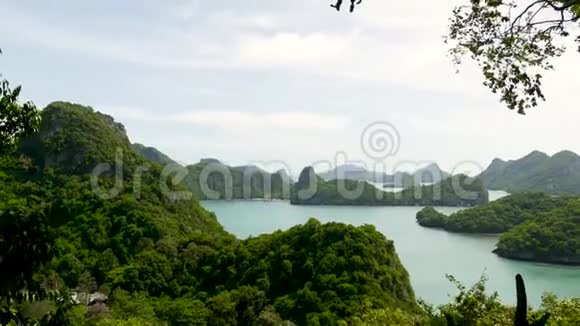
(75, 139)
(160, 259)
(536, 172)
(458, 190)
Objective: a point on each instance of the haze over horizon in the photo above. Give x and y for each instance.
(287, 81)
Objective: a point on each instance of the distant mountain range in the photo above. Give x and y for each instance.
(212, 179)
(536, 172)
(429, 174)
(152, 154)
(458, 190)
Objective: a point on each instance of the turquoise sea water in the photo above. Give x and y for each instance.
(427, 254)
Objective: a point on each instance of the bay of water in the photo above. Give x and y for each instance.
(427, 254)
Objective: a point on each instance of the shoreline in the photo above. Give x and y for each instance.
(324, 205)
(553, 262)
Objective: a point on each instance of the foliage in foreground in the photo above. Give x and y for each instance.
(17, 120)
(475, 306)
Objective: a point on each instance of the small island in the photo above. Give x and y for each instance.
(533, 227)
(430, 217)
(458, 191)
(553, 237)
(211, 179)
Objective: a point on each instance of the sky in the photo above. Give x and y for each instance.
(280, 83)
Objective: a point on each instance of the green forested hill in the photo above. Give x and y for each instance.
(536, 172)
(494, 217)
(75, 139)
(552, 236)
(165, 260)
(458, 190)
(319, 274)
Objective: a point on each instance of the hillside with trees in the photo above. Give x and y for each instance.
(161, 259)
(552, 237)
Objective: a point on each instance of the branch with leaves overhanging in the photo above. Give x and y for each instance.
(512, 46)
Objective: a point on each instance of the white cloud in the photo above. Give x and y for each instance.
(407, 16)
(382, 48)
(358, 51)
(247, 120)
(237, 137)
(235, 120)
(291, 49)
(232, 20)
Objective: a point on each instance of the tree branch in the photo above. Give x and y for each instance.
(564, 7)
(525, 11)
(353, 4)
